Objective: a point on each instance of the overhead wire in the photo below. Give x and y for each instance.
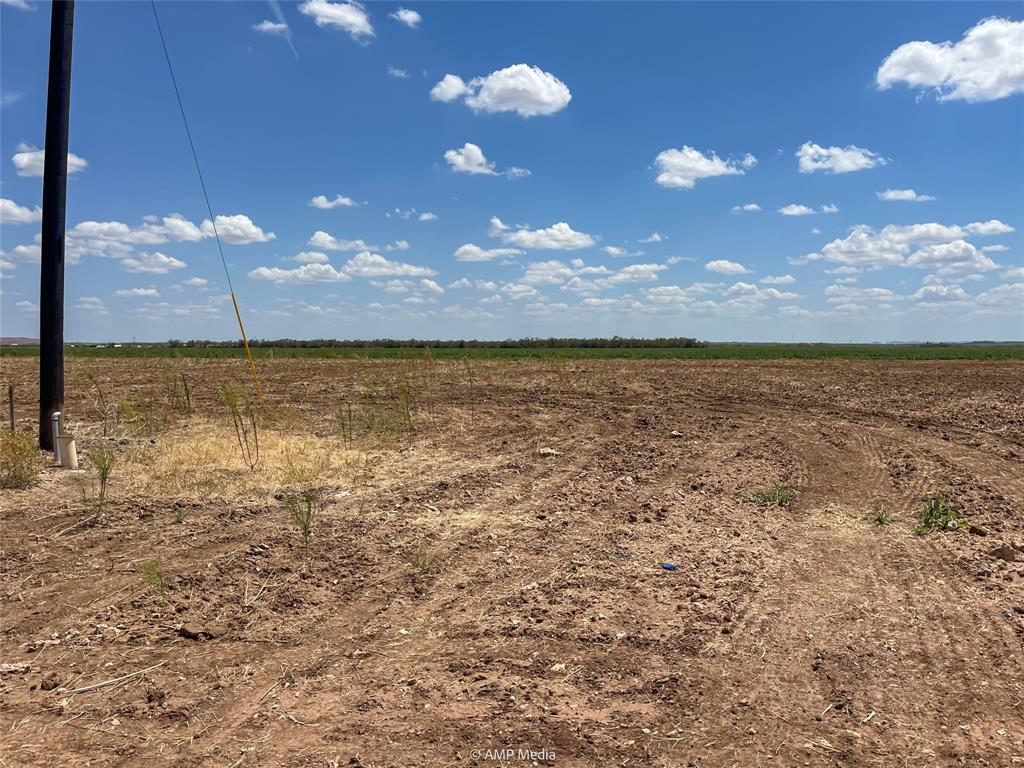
(206, 197)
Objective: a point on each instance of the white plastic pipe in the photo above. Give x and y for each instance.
(55, 432)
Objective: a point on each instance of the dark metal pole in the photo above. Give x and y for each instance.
(55, 187)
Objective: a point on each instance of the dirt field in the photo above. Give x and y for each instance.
(494, 577)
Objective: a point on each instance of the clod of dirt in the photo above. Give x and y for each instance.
(192, 632)
(15, 668)
(155, 695)
(676, 433)
(978, 530)
(1005, 552)
(50, 681)
(548, 452)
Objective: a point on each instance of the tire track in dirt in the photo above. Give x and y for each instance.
(850, 590)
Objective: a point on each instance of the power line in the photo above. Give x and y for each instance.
(191, 144)
(209, 208)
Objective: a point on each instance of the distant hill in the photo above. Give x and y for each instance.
(18, 341)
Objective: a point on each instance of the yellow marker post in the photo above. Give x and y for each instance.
(248, 352)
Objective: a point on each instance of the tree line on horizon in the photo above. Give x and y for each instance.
(615, 342)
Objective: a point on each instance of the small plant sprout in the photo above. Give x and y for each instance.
(186, 389)
(938, 514)
(882, 517)
(302, 510)
(171, 389)
(104, 405)
(152, 576)
(422, 560)
(405, 406)
(104, 460)
(776, 496)
(346, 422)
(246, 422)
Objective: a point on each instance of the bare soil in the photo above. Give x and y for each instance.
(495, 577)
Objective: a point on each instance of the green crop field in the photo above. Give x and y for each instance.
(710, 352)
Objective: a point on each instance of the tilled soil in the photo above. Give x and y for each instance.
(501, 584)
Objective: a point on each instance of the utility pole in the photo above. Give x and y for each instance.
(55, 187)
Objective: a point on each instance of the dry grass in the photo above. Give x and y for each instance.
(203, 461)
(20, 460)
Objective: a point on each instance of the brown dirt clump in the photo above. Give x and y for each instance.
(485, 571)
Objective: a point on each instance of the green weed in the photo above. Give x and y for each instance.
(776, 496)
(938, 513)
(245, 419)
(422, 560)
(104, 460)
(151, 575)
(303, 511)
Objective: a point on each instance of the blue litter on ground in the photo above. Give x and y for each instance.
(669, 566)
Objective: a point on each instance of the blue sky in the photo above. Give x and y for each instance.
(495, 169)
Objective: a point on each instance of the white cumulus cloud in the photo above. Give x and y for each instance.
(366, 264)
(948, 258)
(469, 159)
(813, 157)
(29, 161)
(778, 280)
(471, 252)
(449, 88)
(526, 90)
(307, 273)
(682, 168)
(985, 65)
(726, 267)
(795, 209)
(237, 230)
(990, 227)
(92, 304)
(411, 19)
(557, 237)
(903, 195)
(339, 201)
(328, 242)
(269, 27)
(12, 213)
(155, 263)
(348, 17)
(893, 245)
